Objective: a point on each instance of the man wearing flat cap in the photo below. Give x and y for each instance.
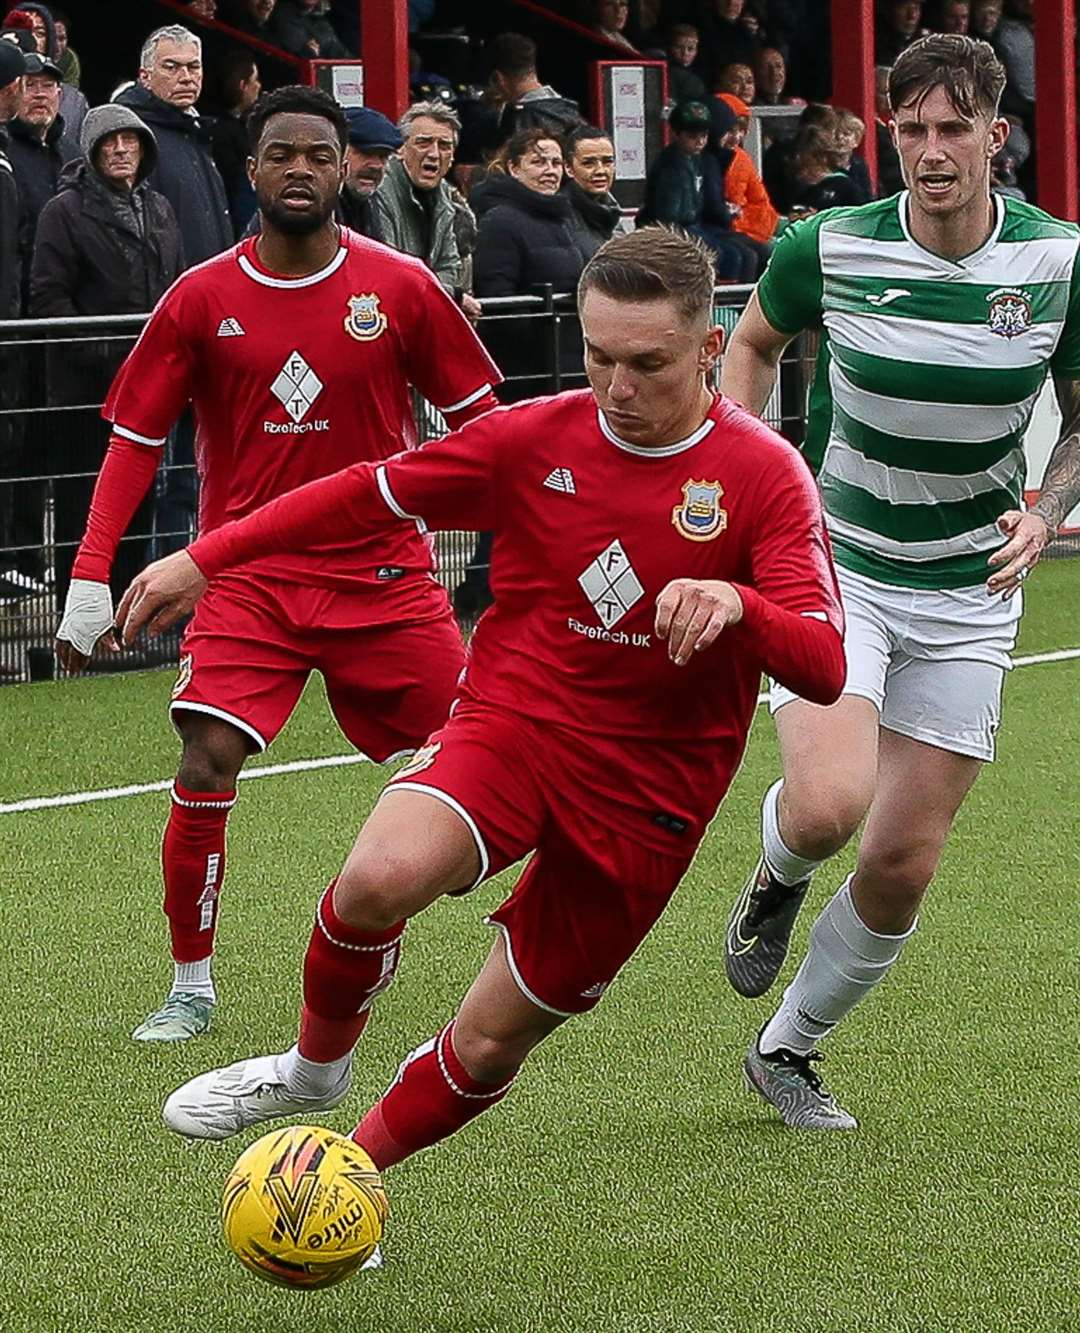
(372, 138)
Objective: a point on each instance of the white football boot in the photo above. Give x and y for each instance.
(221, 1103)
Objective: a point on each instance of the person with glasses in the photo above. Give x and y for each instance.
(414, 203)
(170, 83)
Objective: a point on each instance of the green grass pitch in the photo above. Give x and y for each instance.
(628, 1183)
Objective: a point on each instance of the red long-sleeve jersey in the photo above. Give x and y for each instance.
(290, 379)
(588, 532)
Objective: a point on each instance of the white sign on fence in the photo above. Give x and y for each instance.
(628, 121)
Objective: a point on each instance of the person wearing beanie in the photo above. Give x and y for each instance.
(107, 244)
(752, 212)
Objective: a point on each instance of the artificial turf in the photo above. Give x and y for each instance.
(628, 1183)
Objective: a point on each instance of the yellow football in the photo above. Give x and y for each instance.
(303, 1207)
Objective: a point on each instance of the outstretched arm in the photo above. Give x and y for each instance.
(1029, 532)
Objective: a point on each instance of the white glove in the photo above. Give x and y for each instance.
(88, 614)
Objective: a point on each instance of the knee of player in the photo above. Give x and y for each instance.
(900, 871)
(375, 893)
(490, 1057)
(823, 817)
(209, 764)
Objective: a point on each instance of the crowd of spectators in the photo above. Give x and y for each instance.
(503, 189)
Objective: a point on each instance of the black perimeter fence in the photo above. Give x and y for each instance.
(53, 377)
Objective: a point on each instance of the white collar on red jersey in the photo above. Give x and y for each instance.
(665, 451)
(309, 279)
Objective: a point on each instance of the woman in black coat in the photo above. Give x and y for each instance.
(106, 244)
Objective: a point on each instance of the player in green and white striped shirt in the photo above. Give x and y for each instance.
(942, 310)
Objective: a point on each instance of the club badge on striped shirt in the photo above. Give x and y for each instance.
(1009, 313)
(699, 518)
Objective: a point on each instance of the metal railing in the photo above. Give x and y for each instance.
(54, 374)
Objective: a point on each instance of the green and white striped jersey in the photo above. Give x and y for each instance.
(926, 378)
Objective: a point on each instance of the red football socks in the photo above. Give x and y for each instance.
(432, 1096)
(344, 970)
(193, 864)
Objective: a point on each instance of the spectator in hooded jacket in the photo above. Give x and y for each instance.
(39, 148)
(170, 82)
(39, 19)
(107, 244)
(748, 200)
(589, 162)
(527, 103)
(675, 187)
(302, 28)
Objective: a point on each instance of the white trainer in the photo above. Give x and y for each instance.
(221, 1103)
(374, 1260)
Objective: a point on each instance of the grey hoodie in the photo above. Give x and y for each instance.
(109, 119)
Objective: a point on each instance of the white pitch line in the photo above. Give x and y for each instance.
(335, 761)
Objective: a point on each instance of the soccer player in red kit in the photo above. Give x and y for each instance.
(297, 350)
(659, 548)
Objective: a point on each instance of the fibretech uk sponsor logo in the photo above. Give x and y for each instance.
(296, 388)
(607, 635)
(611, 585)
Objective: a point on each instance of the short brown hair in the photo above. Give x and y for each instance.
(653, 264)
(524, 141)
(968, 71)
(513, 55)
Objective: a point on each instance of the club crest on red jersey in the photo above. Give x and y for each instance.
(365, 321)
(699, 518)
(183, 674)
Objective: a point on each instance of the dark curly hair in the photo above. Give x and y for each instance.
(296, 100)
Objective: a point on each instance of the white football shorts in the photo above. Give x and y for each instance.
(931, 663)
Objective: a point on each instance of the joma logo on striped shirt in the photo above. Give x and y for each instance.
(887, 297)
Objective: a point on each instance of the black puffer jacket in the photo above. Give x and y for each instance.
(593, 217)
(527, 239)
(185, 174)
(101, 252)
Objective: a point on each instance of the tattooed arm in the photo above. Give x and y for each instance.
(1028, 533)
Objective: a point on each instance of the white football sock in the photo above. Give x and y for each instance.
(194, 979)
(785, 865)
(308, 1078)
(844, 962)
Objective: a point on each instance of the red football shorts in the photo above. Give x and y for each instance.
(590, 894)
(247, 654)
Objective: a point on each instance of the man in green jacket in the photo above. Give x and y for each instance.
(414, 202)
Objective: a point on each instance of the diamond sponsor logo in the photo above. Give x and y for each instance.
(611, 585)
(296, 387)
